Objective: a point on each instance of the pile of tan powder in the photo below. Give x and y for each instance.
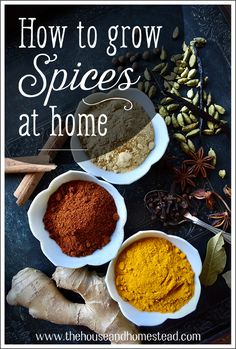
(130, 136)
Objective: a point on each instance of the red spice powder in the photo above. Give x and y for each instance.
(81, 217)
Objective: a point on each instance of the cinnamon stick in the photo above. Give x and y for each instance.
(16, 166)
(30, 181)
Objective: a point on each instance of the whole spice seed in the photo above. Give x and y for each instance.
(147, 85)
(192, 117)
(81, 217)
(180, 119)
(174, 121)
(212, 153)
(219, 108)
(172, 107)
(192, 83)
(211, 109)
(158, 67)
(146, 55)
(152, 92)
(222, 173)
(190, 93)
(185, 148)
(179, 137)
(141, 86)
(168, 120)
(190, 127)
(163, 54)
(164, 69)
(187, 119)
(192, 60)
(175, 33)
(192, 73)
(208, 99)
(147, 75)
(191, 145)
(208, 132)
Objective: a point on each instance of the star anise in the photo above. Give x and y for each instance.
(200, 163)
(221, 219)
(184, 176)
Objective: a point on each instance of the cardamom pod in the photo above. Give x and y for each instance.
(192, 60)
(170, 77)
(168, 120)
(222, 174)
(192, 83)
(216, 115)
(220, 109)
(167, 85)
(191, 145)
(184, 46)
(211, 110)
(164, 69)
(146, 86)
(199, 41)
(174, 121)
(204, 95)
(190, 93)
(179, 137)
(180, 120)
(176, 57)
(187, 53)
(141, 86)
(172, 107)
(163, 112)
(212, 153)
(147, 75)
(163, 54)
(210, 125)
(181, 64)
(192, 73)
(176, 85)
(184, 109)
(187, 118)
(208, 132)
(166, 100)
(152, 92)
(193, 132)
(190, 127)
(176, 92)
(196, 99)
(185, 73)
(219, 130)
(182, 80)
(185, 148)
(158, 67)
(175, 33)
(208, 99)
(192, 117)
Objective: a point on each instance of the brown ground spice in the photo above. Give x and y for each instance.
(81, 217)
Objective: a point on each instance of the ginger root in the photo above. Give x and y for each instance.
(37, 292)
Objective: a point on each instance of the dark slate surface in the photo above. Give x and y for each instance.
(22, 249)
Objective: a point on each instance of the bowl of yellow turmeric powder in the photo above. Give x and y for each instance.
(155, 277)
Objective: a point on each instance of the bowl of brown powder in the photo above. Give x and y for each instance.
(78, 220)
(136, 136)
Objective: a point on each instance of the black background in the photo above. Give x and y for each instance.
(213, 313)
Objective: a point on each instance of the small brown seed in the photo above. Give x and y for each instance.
(146, 55)
(135, 66)
(132, 59)
(156, 51)
(115, 61)
(122, 60)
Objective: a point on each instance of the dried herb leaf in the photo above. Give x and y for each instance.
(215, 260)
(227, 277)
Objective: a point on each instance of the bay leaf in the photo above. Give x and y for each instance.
(227, 277)
(215, 260)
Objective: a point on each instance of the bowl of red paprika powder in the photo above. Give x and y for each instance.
(78, 220)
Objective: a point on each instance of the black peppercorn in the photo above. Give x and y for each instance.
(115, 61)
(146, 55)
(122, 60)
(135, 66)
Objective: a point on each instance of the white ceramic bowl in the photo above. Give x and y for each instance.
(50, 248)
(160, 133)
(142, 318)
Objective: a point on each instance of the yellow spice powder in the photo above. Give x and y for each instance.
(154, 275)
